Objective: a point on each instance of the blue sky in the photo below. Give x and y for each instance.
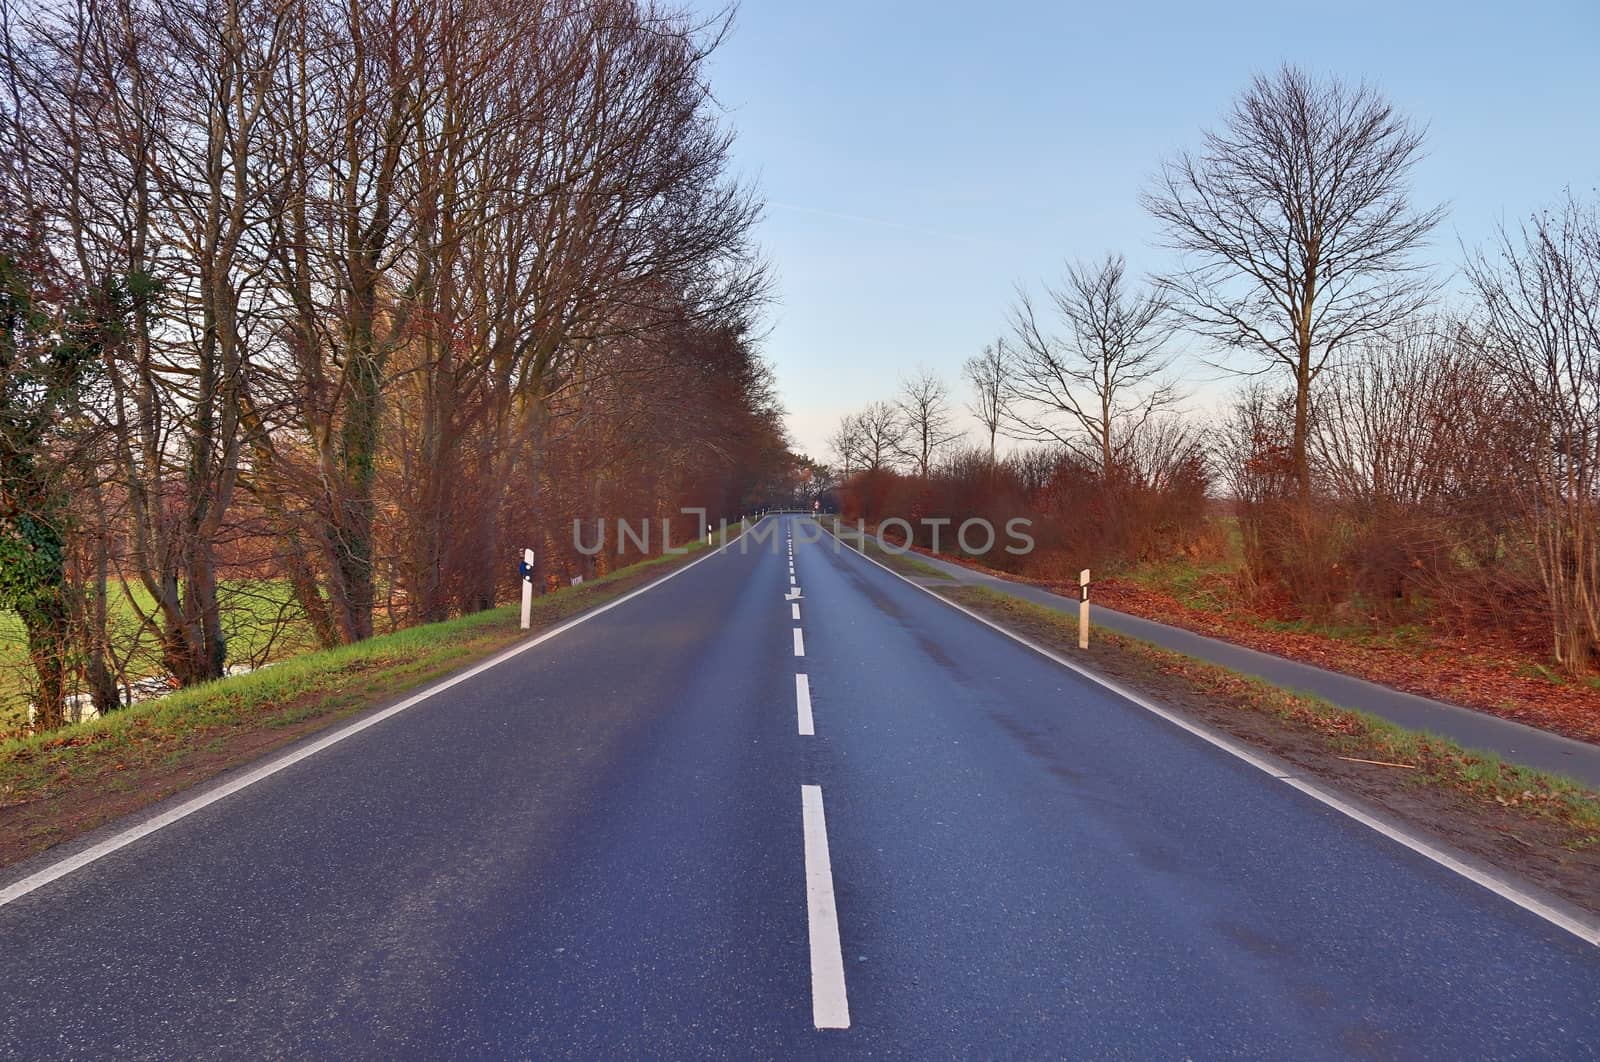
(921, 159)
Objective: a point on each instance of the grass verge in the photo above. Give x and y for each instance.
(1542, 826)
(56, 785)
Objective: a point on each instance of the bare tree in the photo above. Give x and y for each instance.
(1297, 230)
(1098, 382)
(1383, 437)
(988, 374)
(924, 406)
(846, 443)
(881, 433)
(392, 283)
(1541, 332)
(141, 123)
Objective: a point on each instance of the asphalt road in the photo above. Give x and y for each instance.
(1514, 741)
(620, 843)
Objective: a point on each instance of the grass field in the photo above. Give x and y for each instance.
(260, 620)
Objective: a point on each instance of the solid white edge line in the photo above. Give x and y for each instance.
(830, 1008)
(39, 878)
(802, 701)
(1585, 931)
(799, 643)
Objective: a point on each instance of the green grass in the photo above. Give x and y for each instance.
(906, 563)
(260, 620)
(16, 672)
(1206, 586)
(1194, 584)
(1439, 761)
(1535, 670)
(1398, 636)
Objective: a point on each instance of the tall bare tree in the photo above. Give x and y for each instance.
(988, 373)
(846, 443)
(393, 282)
(925, 420)
(1099, 379)
(879, 432)
(141, 125)
(1296, 227)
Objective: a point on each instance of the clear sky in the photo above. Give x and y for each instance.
(920, 159)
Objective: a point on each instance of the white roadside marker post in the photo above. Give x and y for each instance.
(527, 588)
(1083, 609)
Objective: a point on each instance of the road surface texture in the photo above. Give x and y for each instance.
(1512, 740)
(623, 842)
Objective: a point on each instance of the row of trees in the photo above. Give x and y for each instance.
(1394, 450)
(356, 297)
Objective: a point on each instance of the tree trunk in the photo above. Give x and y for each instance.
(47, 625)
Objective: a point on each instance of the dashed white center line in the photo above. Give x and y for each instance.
(802, 700)
(794, 610)
(799, 643)
(829, 1007)
(791, 578)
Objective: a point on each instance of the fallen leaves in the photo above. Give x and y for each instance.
(1493, 674)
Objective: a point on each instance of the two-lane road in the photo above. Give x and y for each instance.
(784, 789)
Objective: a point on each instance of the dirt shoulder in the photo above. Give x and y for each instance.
(1543, 829)
(60, 785)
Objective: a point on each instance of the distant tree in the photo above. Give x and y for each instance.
(1097, 382)
(846, 443)
(881, 433)
(1297, 229)
(924, 419)
(987, 373)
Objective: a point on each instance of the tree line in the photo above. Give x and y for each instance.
(1403, 447)
(354, 300)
